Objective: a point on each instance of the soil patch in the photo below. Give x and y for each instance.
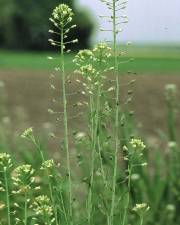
(29, 93)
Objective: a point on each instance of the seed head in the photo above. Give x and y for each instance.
(80, 136)
(2, 206)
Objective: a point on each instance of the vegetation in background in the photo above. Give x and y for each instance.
(146, 59)
(24, 24)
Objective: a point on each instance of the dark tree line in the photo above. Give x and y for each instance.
(24, 24)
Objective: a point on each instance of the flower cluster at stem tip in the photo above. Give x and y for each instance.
(86, 60)
(134, 151)
(48, 164)
(28, 133)
(102, 52)
(42, 206)
(137, 145)
(61, 18)
(62, 14)
(141, 208)
(23, 178)
(5, 161)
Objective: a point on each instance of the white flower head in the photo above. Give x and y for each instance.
(141, 208)
(5, 161)
(23, 178)
(42, 207)
(48, 164)
(137, 145)
(62, 15)
(27, 133)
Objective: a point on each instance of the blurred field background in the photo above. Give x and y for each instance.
(25, 71)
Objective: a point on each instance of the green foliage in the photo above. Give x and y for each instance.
(24, 24)
(160, 61)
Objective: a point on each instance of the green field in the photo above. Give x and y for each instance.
(146, 59)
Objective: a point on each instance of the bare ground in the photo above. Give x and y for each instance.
(28, 94)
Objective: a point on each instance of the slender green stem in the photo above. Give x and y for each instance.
(101, 163)
(98, 138)
(108, 220)
(25, 209)
(47, 220)
(63, 207)
(52, 198)
(98, 100)
(92, 159)
(116, 113)
(38, 147)
(124, 220)
(141, 220)
(7, 196)
(171, 119)
(66, 126)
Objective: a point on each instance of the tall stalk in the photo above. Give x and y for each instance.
(28, 134)
(117, 141)
(92, 130)
(25, 208)
(7, 196)
(102, 53)
(98, 137)
(5, 166)
(62, 18)
(141, 221)
(66, 141)
(170, 94)
(124, 219)
(84, 62)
